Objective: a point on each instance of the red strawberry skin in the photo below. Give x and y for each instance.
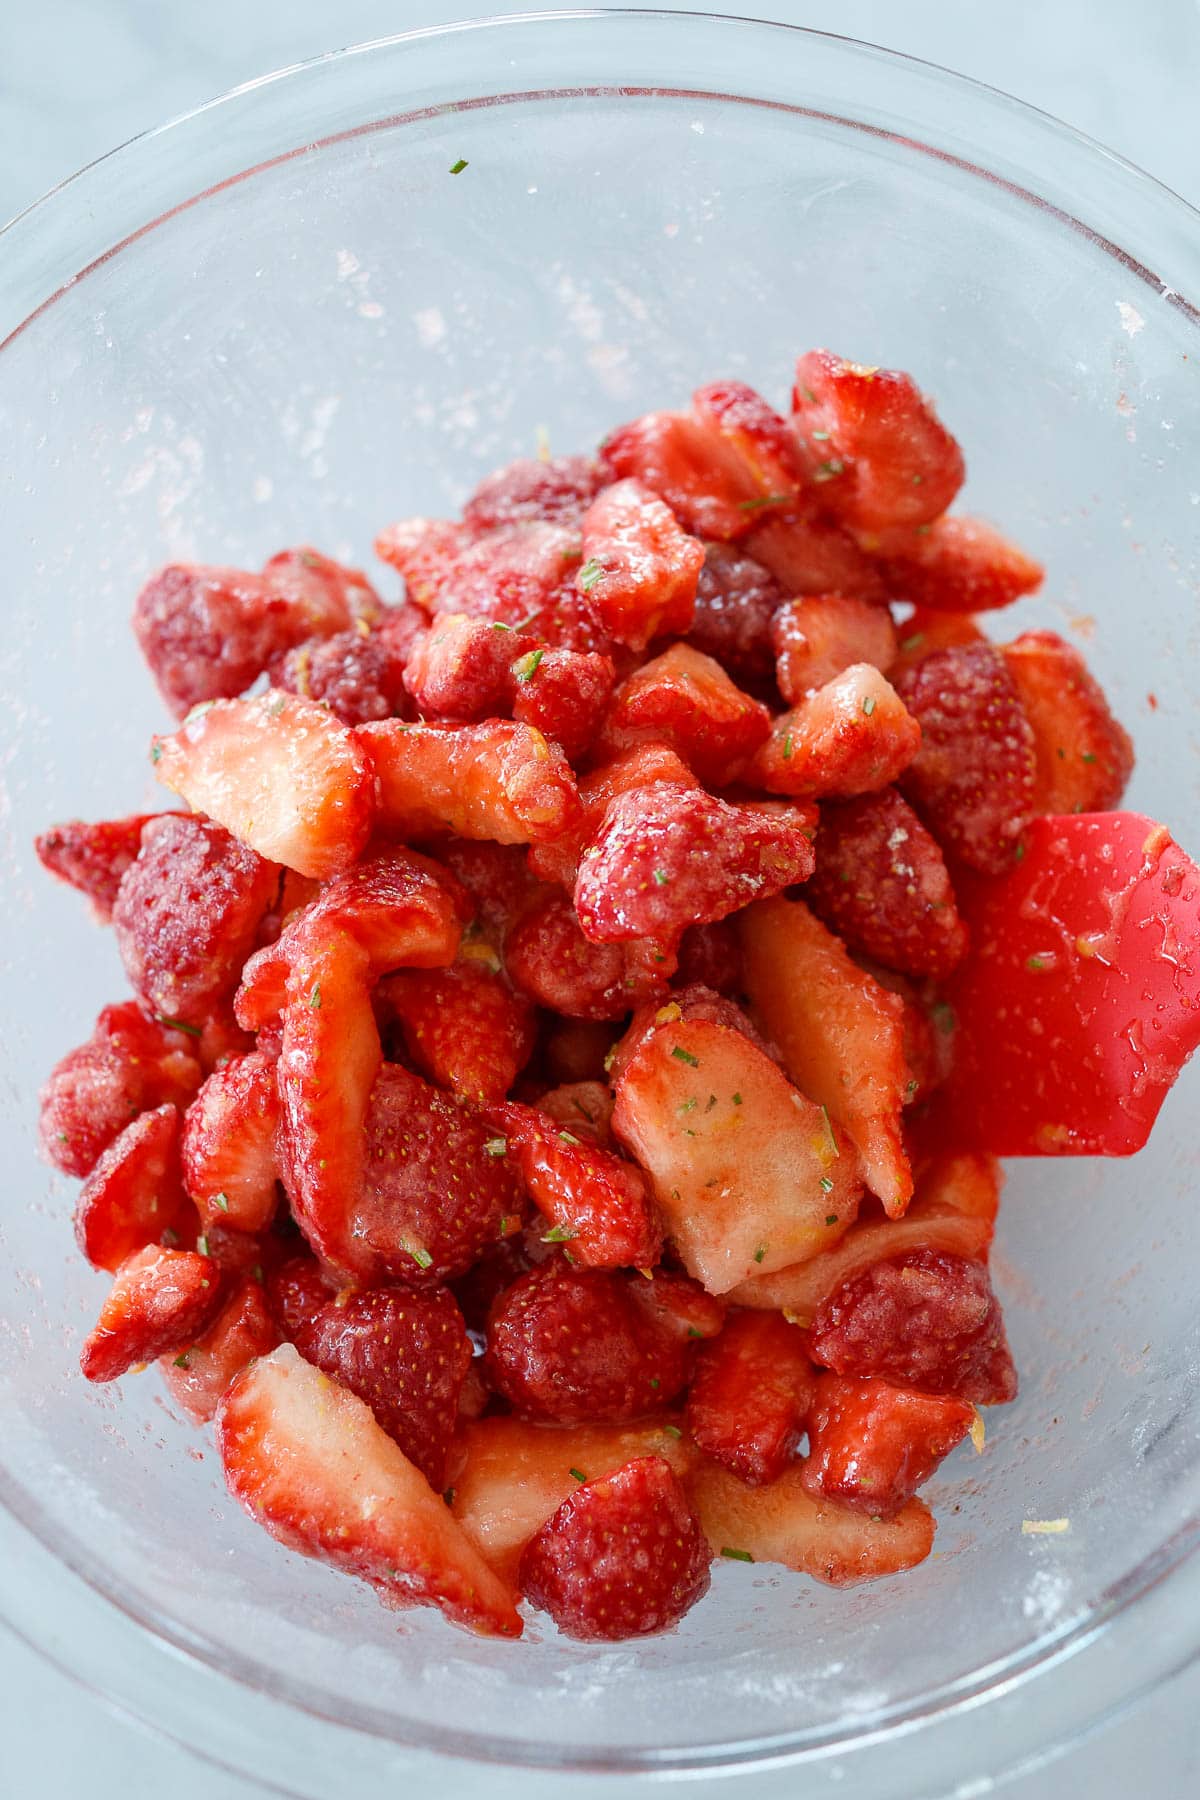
(550, 959)
(230, 1159)
(197, 1376)
(296, 1290)
(407, 1356)
(623, 1558)
(92, 858)
(736, 599)
(133, 1196)
(639, 568)
(750, 1396)
(463, 1027)
(129, 1064)
(687, 701)
(560, 489)
(1084, 754)
(688, 463)
(872, 1445)
(358, 675)
(159, 1301)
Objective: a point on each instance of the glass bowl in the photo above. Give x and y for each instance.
(285, 318)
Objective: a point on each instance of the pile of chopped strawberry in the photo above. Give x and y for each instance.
(552, 1138)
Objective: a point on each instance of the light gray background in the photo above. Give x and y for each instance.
(79, 76)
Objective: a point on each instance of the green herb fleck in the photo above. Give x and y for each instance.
(787, 747)
(808, 395)
(276, 706)
(589, 575)
(685, 1056)
(170, 1237)
(183, 1360)
(155, 753)
(257, 1272)
(561, 1234)
(202, 1246)
(178, 1025)
(583, 1112)
(692, 1332)
(761, 1252)
(737, 1099)
(673, 1430)
(763, 500)
(567, 1137)
(661, 878)
(830, 1139)
(526, 667)
(687, 1106)
(736, 1555)
(221, 1200)
(1019, 853)
(868, 704)
(827, 471)
(819, 437)
(314, 999)
(1034, 963)
(943, 1017)
(831, 1218)
(826, 1185)
(496, 1147)
(914, 642)
(456, 168)
(419, 1255)
(654, 1383)
(1089, 756)
(578, 1474)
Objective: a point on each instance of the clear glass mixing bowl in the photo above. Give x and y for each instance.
(284, 319)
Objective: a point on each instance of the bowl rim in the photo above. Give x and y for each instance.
(1054, 1649)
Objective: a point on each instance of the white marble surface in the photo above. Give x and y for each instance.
(79, 76)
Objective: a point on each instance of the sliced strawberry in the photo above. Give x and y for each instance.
(711, 956)
(407, 1356)
(550, 959)
(647, 765)
(93, 858)
(159, 1301)
(666, 858)
(133, 1196)
(562, 694)
(694, 1004)
(973, 779)
(583, 1108)
(689, 464)
(128, 1065)
(307, 1460)
(956, 565)
(852, 736)
(807, 554)
(926, 1319)
(463, 1027)
(750, 1396)
(639, 569)
(623, 1557)
(559, 488)
(279, 773)
(296, 1290)
(748, 1174)
(424, 551)
(197, 1377)
(820, 636)
(187, 914)
(764, 441)
(357, 674)
(881, 883)
(496, 780)
(687, 701)
(517, 1475)
(783, 1523)
(578, 1345)
(736, 599)
(924, 632)
(873, 442)
(598, 1203)
(1084, 754)
(842, 1036)
(230, 1160)
(872, 1445)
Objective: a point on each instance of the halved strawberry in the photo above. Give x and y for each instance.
(596, 1202)
(820, 636)
(973, 779)
(764, 441)
(808, 554)
(558, 488)
(92, 858)
(748, 1173)
(128, 1065)
(881, 883)
(639, 568)
(666, 858)
(687, 701)
(496, 780)
(852, 736)
(691, 1004)
(736, 599)
(688, 463)
(623, 1557)
(549, 958)
(278, 772)
(407, 1356)
(954, 564)
(873, 442)
(357, 674)
(133, 1196)
(872, 1445)
(647, 765)
(750, 1396)
(230, 1160)
(463, 1027)
(782, 1523)
(1084, 754)
(307, 1459)
(159, 1301)
(197, 1376)
(842, 1036)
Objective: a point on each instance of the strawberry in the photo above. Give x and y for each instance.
(711, 956)
(562, 694)
(639, 568)
(279, 773)
(749, 1175)
(558, 489)
(973, 780)
(424, 551)
(873, 443)
(577, 1345)
(1084, 755)
(583, 1108)
(842, 1036)
(222, 1038)
(751, 1394)
(688, 463)
(407, 1356)
(881, 884)
(128, 1065)
(736, 599)
(597, 1202)
(159, 1300)
(666, 858)
(687, 701)
(807, 554)
(295, 1291)
(197, 1377)
(517, 1475)
(623, 1557)
(926, 1319)
(820, 636)
(765, 442)
(328, 589)
(925, 632)
(783, 1523)
(357, 674)
(647, 765)
(93, 858)
(187, 913)
(852, 736)
(463, 1027)
(955, 564)
(550, 959)
(496, 780)
(872, 1445)
(497, 881)
(307, 1459)
(133, 1196)
(230, 1162)
(692, 1004)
